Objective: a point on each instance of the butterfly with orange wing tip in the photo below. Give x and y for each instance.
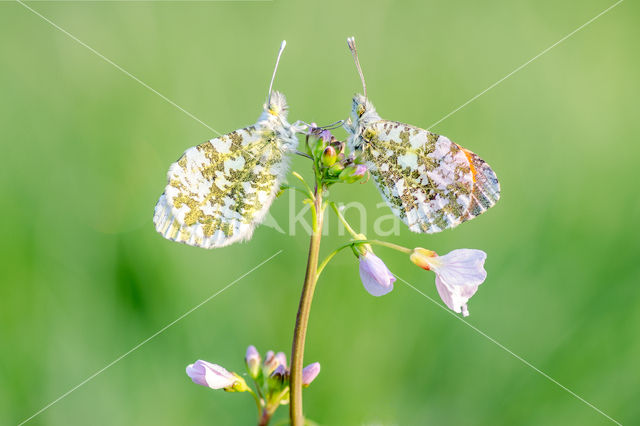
(219, 191)
(428, 181)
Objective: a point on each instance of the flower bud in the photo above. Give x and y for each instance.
(353, 173)
(252, 359)
(338, 146)
(329, 156)
(318, 148)
(278, 379)
(318, 140)
(268, 356)
(281, 358)
(336, 169)
(309, 373)
(279, 372)
(272, 361)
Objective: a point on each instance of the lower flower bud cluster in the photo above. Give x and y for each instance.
(270, 377)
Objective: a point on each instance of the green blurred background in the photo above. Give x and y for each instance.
(85, 151)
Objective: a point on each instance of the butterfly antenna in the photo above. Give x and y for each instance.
(332, 126)
(351, 42)
(282, 46)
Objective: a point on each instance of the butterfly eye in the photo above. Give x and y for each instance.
(360, 110)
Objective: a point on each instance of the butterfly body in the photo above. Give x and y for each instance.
(218, 191)
(428, 181)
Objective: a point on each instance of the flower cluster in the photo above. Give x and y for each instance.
(329, 155)
(271, 379)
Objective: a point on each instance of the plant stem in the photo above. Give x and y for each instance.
(327, 259)
(264, 418)
(302, 318)
(343, 220)
(390, 245)
(255, 397)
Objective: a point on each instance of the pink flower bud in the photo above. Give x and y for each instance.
(252, 359)
(281, 358)
(278, 379)
(268, 357)
(329, 156)
(280, 371)
(309, 373)
(336, 169)
(353, 173)
(272, 361)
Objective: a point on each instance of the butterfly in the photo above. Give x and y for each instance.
(428, 181)
(219, 191)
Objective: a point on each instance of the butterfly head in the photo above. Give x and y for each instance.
(362, 114)
(274, 117)
(277, 106)
(362, 111)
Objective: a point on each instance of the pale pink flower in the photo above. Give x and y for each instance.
(212, 375)
(375, 276)
(455, 297)
(458, 274)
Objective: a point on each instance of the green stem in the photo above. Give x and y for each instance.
(386, 244)
(352, 243)
(302, 154)
(302, 318)
(300, 190)
(328, 259)
(304, 182)
(343, 220)
(374, 242)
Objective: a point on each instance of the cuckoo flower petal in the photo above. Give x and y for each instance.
(458, 274)
(212, 375)
(455, 297)
(375, 276)
(460, 267)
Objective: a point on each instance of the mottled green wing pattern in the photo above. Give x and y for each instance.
(220, 190)
(428, 181)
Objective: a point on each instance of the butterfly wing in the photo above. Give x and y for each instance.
(428, 181)
(486, 188)
(220, 190)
